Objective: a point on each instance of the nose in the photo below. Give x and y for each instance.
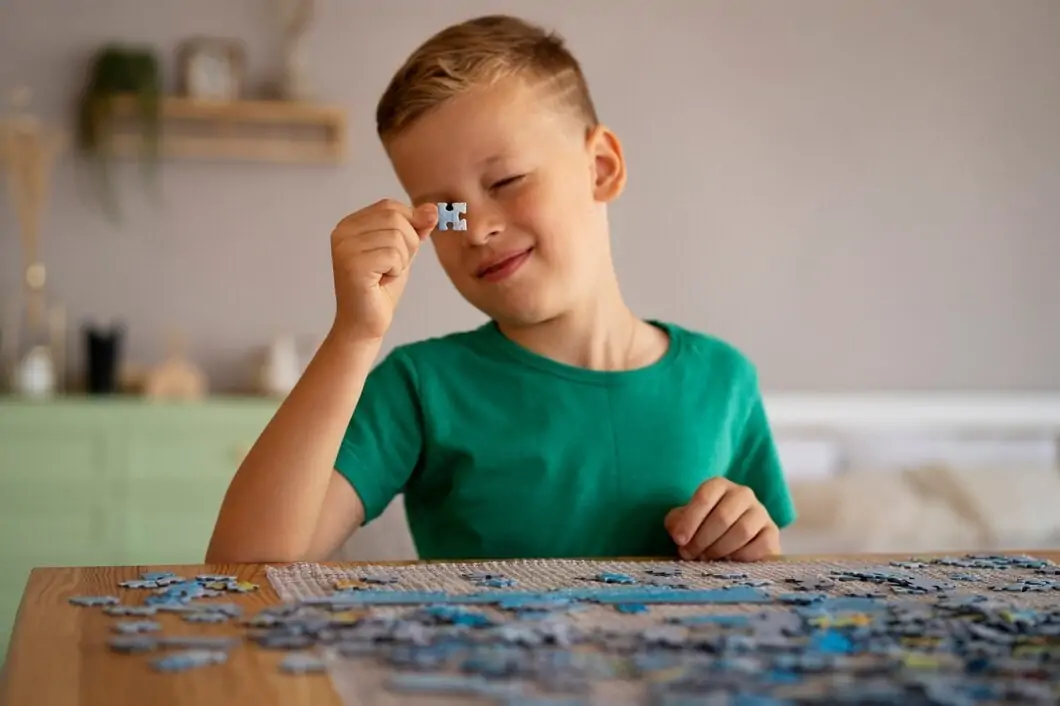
(484, 221)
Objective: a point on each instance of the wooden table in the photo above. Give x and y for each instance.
(58, 655)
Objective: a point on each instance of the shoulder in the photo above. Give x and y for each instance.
(458, 344)
(423, 357)
(716, 358)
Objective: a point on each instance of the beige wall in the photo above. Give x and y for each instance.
(859, 194)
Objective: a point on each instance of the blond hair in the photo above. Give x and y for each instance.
(476, 54)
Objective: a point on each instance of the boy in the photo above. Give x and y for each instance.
(566, 426)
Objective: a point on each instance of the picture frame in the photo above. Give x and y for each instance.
(212, 68)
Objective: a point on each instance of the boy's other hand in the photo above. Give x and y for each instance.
(723, 520)
(371, 252)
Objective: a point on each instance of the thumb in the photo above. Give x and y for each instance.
(424, 219)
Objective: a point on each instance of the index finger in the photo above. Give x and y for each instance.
(692, 515)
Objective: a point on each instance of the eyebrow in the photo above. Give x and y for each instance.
(439, 197)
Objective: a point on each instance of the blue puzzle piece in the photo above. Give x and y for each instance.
(202, 617)
(734, 594)
(133, 627)
(131, 610)
(452, 684)
(664, 571)
(139, 583)
(94, 600)
(449, 216)
(209, 643)
(631, 608)
(132, 644)
(830, 642)
(189, 659)
(302, 664)
(615, 578)
(156, 576)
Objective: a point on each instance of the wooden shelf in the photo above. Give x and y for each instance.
(260, 131)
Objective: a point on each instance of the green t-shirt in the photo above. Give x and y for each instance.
(503, 453)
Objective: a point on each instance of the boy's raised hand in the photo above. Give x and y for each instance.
(371, 251)
(723, 520)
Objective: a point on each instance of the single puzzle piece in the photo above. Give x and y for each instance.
(452, 684)
(449, 216)
(130, 610)
(134, 627)
(203, 617)
(94, 600)
(139, 583)
(614, 578)
(631, 608)
(189, 659)
(199, 642)
(300, 663)
(156, 576)
(664, 571)
(132, 644)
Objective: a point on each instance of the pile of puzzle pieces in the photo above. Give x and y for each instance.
(878, 635)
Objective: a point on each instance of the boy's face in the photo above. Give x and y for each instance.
(536, 187)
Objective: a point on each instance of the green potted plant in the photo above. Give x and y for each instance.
(125, 73)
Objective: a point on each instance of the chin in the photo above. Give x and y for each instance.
(517, 313)
(526, 316)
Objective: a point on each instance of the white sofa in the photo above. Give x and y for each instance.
(931, 508)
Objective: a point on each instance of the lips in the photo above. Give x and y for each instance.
(502, 262)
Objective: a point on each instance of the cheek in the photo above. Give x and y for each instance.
(447, 250)
(561, 227)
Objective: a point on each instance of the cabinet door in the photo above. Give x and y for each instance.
(59, 504)
(176, 479)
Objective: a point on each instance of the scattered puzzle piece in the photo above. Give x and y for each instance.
(910, 628)
(130, 610)
(95, 600)
(205, 617)
(189, 659)
(137, 626)
(299, 663)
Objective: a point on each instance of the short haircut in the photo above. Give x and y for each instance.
(476, 54)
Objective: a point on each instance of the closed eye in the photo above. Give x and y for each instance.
(505, 182)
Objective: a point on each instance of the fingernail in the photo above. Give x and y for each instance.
(681, 539)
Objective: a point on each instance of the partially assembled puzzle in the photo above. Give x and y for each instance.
(959, 631)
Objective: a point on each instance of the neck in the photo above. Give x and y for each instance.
(599, 334)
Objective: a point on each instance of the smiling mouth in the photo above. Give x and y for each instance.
(502, 266)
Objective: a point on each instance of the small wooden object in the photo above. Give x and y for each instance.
(176, 378)
(245, 130)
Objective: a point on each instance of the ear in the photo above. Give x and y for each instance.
(608, 164)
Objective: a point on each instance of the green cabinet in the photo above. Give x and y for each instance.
(120, 481)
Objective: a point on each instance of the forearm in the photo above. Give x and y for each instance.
(274, 504)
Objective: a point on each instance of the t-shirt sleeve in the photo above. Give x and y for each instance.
(756, 463)
(384, 438)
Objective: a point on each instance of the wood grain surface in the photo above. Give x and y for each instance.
(58, 654)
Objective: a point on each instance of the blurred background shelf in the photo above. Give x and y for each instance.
(259, 131)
